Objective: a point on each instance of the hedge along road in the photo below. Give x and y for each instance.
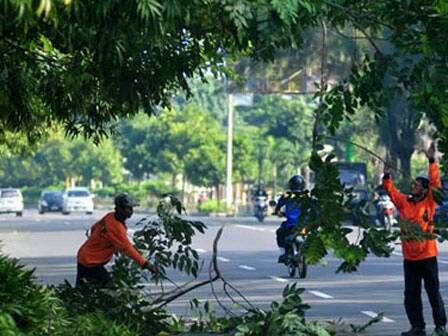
(247, 258)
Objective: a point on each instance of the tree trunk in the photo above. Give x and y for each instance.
(218, 198)
(398, 134)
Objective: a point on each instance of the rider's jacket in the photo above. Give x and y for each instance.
(108, 236)
(292, 210)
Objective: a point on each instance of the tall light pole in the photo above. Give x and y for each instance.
(229, 157)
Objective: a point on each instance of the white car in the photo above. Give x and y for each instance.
(11, 200)
(77, 199)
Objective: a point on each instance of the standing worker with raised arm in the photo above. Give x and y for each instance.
(420, 256)
(108, 235)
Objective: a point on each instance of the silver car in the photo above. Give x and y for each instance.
(77, 199)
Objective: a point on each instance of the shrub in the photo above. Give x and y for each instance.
(105, 192)
(212, 205)
(96, 325)
(24, 304)
(158, 188)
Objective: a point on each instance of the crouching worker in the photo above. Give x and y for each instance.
(296, 184)
(107, 236)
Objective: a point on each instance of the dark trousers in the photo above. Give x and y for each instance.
(95, 275)
(414, 272)
(283, 232)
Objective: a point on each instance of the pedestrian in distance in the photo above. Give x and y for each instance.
(108, 236)
(420, 255)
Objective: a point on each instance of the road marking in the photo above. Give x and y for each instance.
(67, 223)
(249, 227)
(200, 250)
(322, 295)
(373, 315)
(223, 259)
(254, 228)
(397, 253)
(248, 268)
(278, 279)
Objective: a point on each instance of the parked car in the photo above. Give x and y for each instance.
(50, 201)
(11, 200)
(77, 199)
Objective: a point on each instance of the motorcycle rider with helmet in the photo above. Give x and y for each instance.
(259, 199)
(296, 184)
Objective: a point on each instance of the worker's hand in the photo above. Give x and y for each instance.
(153, 268)
(431, 152)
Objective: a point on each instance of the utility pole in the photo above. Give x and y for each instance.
(229, 160)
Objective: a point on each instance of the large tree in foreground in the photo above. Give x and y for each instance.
(86, 63)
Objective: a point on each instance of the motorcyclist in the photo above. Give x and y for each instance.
(296, 184)
(380, 199)
(260, 192)
(259, 199)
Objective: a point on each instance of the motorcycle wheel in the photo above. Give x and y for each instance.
(387, 223)
(260, 217)
(302, 267)
(291, 269)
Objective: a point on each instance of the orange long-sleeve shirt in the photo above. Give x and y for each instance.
(415, 213)
(107, 236)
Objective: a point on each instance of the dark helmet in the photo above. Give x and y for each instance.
(296, 183)
(123, 200)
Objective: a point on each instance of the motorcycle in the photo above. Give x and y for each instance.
(295, 260)
(385, 212)
(260, 208)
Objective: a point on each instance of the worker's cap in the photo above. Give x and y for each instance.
(125, 201)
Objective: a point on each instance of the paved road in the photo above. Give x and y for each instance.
(247, 259)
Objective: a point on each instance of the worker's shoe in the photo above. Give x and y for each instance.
(439, 331)
(414, 332)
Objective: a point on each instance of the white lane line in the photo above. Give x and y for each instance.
(322, 295)
(249, 227)
(201, 250)
(248, 268)
(373, 315)
(223, 259)
(278, 279)
(66, 222)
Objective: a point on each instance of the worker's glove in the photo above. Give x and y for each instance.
(153, 268)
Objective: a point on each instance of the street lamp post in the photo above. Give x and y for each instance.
(229, 157)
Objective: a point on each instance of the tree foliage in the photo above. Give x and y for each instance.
(85, 64)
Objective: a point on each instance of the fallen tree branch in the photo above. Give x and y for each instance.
(217, 276)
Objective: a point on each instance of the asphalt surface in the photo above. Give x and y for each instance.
(247, 260)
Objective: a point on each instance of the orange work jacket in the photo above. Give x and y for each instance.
(107, 236)
(415, 213)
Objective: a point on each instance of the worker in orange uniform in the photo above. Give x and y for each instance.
(420, 257)
(108, 235)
